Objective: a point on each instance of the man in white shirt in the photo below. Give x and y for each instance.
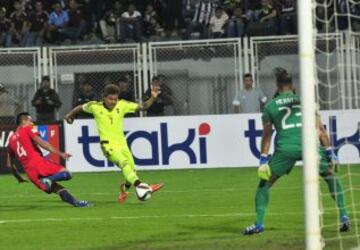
(130, 24)
(217, 23)
(250, 99)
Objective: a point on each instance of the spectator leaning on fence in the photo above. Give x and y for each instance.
(236, 24)
(287, 16)
(76, 27)
(200, 22)
(230, 5)
(37, 25)
(19, 27)
(131, 24)
(46, 101)
(265, 20)
(58, 21)
(217, 23)
(110, 23)
(249, 99)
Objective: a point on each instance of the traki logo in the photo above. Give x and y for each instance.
(160, 147)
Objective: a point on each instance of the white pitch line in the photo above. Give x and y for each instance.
(162, 191)
(140, 217)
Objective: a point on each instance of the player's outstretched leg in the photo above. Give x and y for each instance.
(261, 203)
(131, 179)
(156, 187)
(337, 193)
(62, 175)
(124, 187)
(67, 197)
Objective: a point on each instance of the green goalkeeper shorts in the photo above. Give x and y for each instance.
(282, 162)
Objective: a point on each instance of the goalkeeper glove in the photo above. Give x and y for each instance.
(264, 169)
(332, 159)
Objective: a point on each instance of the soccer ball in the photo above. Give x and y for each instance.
(143, 192)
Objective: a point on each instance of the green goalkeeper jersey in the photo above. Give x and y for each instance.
(284, 112)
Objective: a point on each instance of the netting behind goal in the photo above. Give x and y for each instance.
(338, 88)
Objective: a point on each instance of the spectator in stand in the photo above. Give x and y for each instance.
(252, 8)
(287, 17)
(148, 14)
(188, 11)
(46, 101)
(18, 29)
(236, 24)
(173, 17)
(5, 36)
(250, 99)
(200, 22)
(58, 21)
(165, 98)
(266, 20)
(125, 91)
(9, 106)
(37, 24)
(76, 26)
(110, 23)
(131, 24)
(154, 31)
(217, 23)
(27, 6)
(85, 93)
(230, 5)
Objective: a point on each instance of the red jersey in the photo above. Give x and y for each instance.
(23, 147)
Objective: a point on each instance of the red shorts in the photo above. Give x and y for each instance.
(42, 168)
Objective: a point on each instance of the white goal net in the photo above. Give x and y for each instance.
(338, 88)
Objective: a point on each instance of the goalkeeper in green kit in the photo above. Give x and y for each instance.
(284, 113)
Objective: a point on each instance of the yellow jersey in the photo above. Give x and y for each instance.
(109, 123)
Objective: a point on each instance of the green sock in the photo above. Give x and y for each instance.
(262, 200)
(337, 193)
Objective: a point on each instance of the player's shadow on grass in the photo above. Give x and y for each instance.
(34, 204)
(5, 208)
(231, 227)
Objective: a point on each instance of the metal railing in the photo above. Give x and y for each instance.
(203, 76)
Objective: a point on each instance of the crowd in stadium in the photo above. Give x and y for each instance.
(39, 22)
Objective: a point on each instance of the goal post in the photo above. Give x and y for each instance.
(310, 152)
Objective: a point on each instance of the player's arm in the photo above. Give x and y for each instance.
(325, 142)
(266, 138)
(69, 117)
(264, 169)
(155, 92)
(10, 164)
(47, 146)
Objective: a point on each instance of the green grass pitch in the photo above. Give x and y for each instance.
(197, 209)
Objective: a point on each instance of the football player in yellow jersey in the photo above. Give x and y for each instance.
(109, 114)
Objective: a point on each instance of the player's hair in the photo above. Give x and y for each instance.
(21, 116)
(111, 89)
(283, 80)
(247, 75)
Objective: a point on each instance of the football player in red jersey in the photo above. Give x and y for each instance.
(24, 146)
